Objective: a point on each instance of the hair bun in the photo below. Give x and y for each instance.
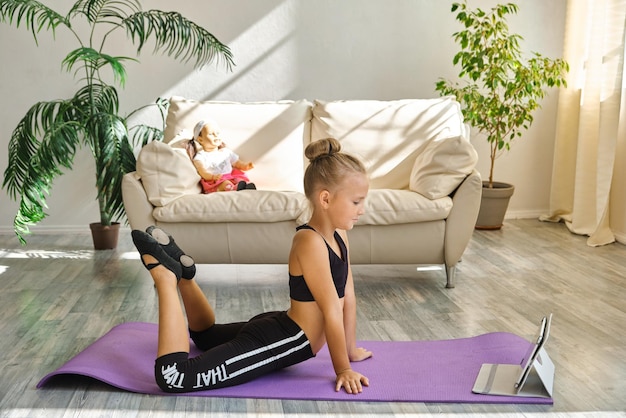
(322, 148)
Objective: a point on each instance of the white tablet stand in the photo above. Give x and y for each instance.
(533, 377)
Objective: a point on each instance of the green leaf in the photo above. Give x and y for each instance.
(33, 14)
(177, 36)
(105, 11)
(94, 60)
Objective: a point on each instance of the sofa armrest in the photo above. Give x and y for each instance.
(462, 218)
(136, 204)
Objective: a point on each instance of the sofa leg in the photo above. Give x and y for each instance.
(450, 273)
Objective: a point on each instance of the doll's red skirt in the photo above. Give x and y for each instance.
(234, 177)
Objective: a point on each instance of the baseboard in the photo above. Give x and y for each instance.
(524, 214)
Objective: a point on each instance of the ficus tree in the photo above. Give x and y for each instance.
(499, 88)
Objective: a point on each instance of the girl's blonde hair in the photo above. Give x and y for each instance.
(327, 166)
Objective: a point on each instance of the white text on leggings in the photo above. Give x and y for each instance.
(209, 378)
(172, 376)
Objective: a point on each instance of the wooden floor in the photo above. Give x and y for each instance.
(57, 296)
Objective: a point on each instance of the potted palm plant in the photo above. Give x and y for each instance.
(45, 141)
(500, 92)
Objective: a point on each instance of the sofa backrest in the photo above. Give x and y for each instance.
(269, 134)
(389, 136)
(419, 145)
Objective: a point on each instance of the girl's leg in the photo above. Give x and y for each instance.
(266, 343)
(203, 330)
(173, 336)
(200, 314)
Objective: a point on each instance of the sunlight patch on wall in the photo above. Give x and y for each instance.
(264, 55)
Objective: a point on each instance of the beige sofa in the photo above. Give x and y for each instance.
(424, 191)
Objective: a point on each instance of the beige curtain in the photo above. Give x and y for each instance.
(589, 176)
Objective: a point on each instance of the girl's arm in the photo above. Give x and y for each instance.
(312, 256)
(349, 323)
(349, 315)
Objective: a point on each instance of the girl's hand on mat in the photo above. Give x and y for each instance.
(359, 354)
(351, 381)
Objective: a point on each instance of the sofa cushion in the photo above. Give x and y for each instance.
(388, 136)
(442, 166)
(166, 173)
(269, 134)
(243, 206)
(390, 207)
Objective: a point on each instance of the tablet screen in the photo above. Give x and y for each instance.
(533, 351)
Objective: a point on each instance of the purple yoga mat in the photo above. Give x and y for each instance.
(402, 371)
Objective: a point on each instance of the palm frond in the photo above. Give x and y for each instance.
(29, 213)
(107, 136)
(34, 163)
(126, 163)
(54, 123)
(162, 105)
(143, 134)
(34, 14)
(113, 156)
(111, 11)
(96, 98)
(177, 36)
(96, 60)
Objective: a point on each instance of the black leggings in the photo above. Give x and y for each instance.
(234, 353)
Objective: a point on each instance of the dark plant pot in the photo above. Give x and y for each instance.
(104, 237)
(493, 205)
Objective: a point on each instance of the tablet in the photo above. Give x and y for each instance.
(533, 351)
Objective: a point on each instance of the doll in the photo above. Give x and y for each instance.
(220, 168)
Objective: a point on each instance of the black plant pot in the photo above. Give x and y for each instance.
(104, 236)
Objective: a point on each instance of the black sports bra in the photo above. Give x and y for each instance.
(298, 289)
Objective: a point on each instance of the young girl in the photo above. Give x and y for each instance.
(323, 304)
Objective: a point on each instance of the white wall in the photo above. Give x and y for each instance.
(286, 49)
